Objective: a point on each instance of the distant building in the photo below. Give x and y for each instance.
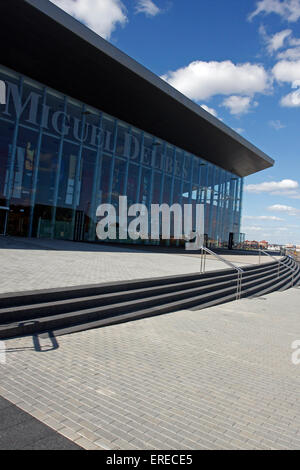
(264, 245)
(290, 246)
(275, 247)
(252, 244)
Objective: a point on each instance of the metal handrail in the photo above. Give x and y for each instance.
(279, 263)
(292, 255)
(240, 271)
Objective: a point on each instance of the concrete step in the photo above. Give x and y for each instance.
(188, 298)
(159, 310)
(16, 299)
(201, 285)
(142, 298)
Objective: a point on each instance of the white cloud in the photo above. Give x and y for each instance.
(287, 71)
(202, 80)
(209, 110)
(290, 194)
(292, 100)
(294, 41)
(239, 104)
(277, 125)
(262, 217)
(282, 208)
(102, 16)
(275, 42)
(239, 130)
(293, 53)
(273, 227)
(253, 228)
(273, 234)
(287, 9)
(272, 186)
(147, 7)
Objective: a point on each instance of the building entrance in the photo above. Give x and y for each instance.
(79, 226)
(3, 220)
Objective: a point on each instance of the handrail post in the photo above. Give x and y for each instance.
(205, 251)
(201, 253)
(280, 263)
(201, 261)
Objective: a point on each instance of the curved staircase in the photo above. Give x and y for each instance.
(68, 310)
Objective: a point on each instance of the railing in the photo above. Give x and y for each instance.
(204, 251)
(293, 254)
(279, 264)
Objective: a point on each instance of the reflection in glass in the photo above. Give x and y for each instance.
(44, 198)
(85, 191)
(122, 139)
(156, 172)
(118, 181)
(145, 195)
(6, 138)
(66, 189)
(108, 129)
(132, 183)
(156, 191)
(105, 180)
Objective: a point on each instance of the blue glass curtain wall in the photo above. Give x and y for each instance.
(59, 159)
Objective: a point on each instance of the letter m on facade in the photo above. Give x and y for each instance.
(2, 92)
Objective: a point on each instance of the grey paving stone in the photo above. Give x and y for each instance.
(220, 378)
(19, 430)
(52, 443)
(30, 264)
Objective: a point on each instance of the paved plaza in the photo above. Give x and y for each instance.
(20, 429)
(31, 264)
(220, 378)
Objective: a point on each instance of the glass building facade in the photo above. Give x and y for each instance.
(60, 159)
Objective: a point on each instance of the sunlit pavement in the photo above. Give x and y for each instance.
(220, 378)
(31, 264)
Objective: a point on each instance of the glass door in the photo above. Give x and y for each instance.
(3, 221)
(79, 227)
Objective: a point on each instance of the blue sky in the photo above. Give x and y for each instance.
(238, 59)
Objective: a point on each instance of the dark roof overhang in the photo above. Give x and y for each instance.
(43, 42)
